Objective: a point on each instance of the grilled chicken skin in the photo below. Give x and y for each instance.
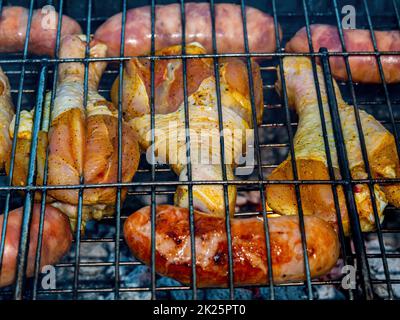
(249, 254)
(6, 115)
(205, 151)
(23, 146)
(21, 163)
(311, 157)
(168, 83)
(83, 142)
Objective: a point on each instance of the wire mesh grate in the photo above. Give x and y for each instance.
(81, 270)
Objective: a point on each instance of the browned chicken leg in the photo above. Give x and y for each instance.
(83, 142)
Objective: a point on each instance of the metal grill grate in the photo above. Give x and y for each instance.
(31, 77)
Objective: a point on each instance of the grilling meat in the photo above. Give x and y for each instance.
(23, 146)
(56, 241)
(21, 166)
(168, 83)
(6, 115)
(249, 256)
(43, 32)
(170, 135)
(311, 157)
(363, 68)
(168, 29)
(83, 142)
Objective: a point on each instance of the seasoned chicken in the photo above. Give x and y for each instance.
(83, 142)
(311, 158)
(205, 152)
(168, 83)
(23, 146)
(21, 162)
(6, 115)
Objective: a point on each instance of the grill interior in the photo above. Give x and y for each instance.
(100, 265)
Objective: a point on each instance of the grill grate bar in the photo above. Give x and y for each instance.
(363, 151)
(153, 170)
(188, 155)
(326, 145)
(345, 172)
(119, 178)
(293, 158)
(222, 151)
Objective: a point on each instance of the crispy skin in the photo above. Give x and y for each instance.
(363, 68)
(168, 29)
(173, 257)
(13, 25)
(56, 241)
(311, 158)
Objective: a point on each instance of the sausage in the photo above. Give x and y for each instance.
(311, 158)
(363, 68)
(228, 27)
(43, 34)
(56, 241)
(173, 250)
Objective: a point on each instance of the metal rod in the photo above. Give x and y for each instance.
(28, 204)
(188, 157)
(293, 163)
(345, 173)
(231, 285)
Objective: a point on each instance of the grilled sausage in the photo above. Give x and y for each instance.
(173, 250)
(228, 27)
(43, 33)
(363, 68)
(56, 241)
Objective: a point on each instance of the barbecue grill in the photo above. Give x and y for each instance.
(99, 264)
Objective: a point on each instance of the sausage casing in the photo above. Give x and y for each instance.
(56, 241)
(43, 32)
(168, 29)
(173, 250)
